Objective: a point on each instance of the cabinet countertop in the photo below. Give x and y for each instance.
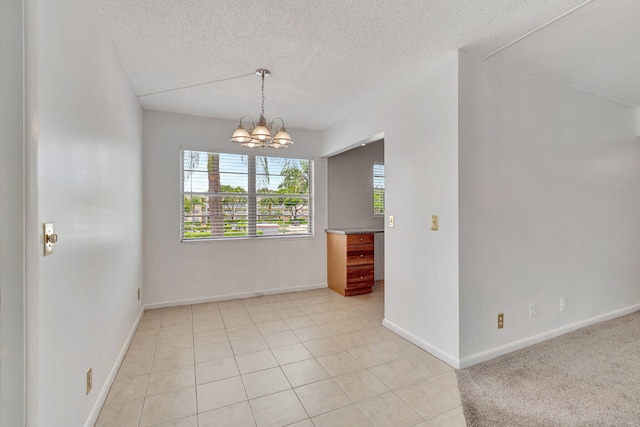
(354, 230)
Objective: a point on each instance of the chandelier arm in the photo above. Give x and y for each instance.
(253, 124)
(273, 122)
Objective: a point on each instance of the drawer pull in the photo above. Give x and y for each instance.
(362, 277)
(361, 255)
(362, 239)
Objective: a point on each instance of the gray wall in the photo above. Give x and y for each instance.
(11, 215)
(350, 193)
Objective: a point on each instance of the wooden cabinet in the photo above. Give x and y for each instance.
(350, 263)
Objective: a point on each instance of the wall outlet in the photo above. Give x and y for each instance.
(532, 310)
(392, 221)
(500, 320)
(89, 379)
(563, 305)
(138, 294)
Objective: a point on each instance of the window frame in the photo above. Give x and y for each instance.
(253, 153)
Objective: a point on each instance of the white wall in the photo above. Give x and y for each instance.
(178, 272)
(350, 194)
(549, 208)
(84, 160)
(420, 127)
(11, 215)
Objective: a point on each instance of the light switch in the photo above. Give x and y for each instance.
(392, 221)
(434, 222)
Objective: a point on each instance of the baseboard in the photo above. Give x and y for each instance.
(102, 397)
(429, 348)
(483, 356)
(234, 296)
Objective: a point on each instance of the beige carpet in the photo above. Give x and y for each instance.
(589, 377)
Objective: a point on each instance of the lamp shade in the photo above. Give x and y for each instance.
(282, 137)
(261, 133)
(240, 135)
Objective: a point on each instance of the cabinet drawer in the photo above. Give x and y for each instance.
(360, 256)
(359, 276)
(359, 239)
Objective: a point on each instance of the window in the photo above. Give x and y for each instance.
(227, 196)
(378, 190)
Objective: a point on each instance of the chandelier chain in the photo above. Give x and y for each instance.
(262, 110)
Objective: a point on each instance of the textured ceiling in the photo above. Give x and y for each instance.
(327, 57)
(596, 48)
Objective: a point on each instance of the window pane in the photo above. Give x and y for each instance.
(378, 189)
(217, 202)
(282, 175)
(213, 172)
(233, 172)
(282, 215)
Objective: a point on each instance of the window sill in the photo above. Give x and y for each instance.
(250, 239)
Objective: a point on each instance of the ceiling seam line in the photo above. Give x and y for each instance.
(195, 85)
(573, 86)
(535, 30)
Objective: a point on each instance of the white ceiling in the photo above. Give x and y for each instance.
(327, 57)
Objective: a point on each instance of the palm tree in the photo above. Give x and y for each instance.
(296, 178)
(296, 181)
(216, 213)
(193, 159)
(262, 168)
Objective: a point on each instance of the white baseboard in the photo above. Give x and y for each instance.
(483, 356)
(102, 397)
(437, 352)
(234, 296)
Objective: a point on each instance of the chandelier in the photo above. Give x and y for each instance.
(260, 135)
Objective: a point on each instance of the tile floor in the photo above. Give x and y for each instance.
(301, 359)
